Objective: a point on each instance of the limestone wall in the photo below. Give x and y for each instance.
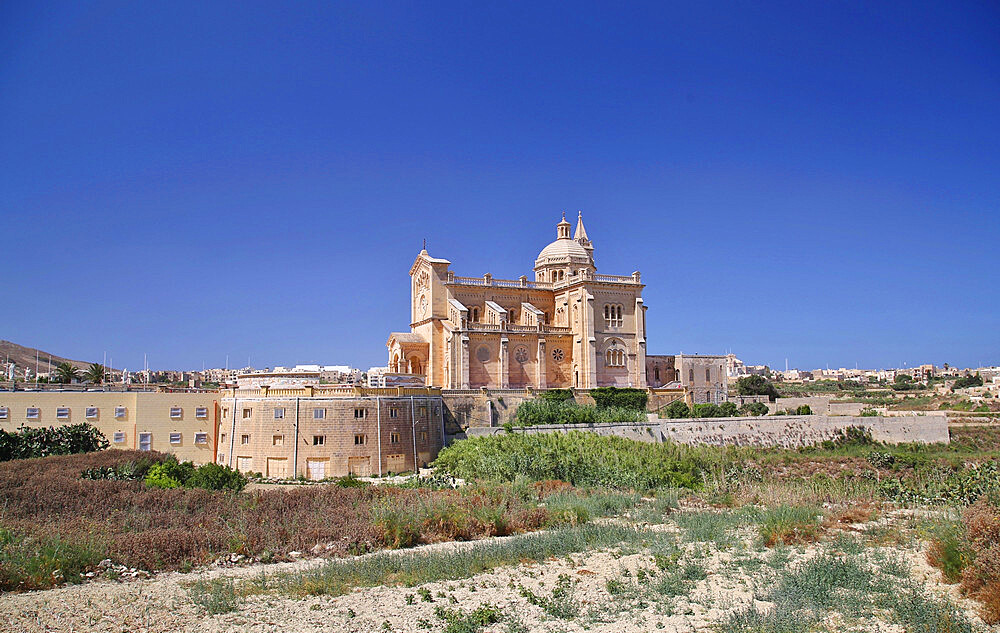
(786, 431)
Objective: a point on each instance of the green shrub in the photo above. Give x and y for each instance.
(216, 477)
(754, 409)
(804, 410)
(617, 397)
(707, 410)
(556, 395)
(729, 409)
(756, 386)
(583, 459)
(159, 477)
(536, 412)
(968, 381)
(677, 409)
(31, 442)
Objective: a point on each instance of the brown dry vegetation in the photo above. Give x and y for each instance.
(981, 578)
(46, 502)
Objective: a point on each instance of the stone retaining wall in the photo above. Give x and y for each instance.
(786, 431)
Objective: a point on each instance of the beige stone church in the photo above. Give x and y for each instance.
(567, 327)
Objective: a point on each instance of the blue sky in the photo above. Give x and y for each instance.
(818, 182)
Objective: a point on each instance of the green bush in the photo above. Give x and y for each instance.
(556, 395)
(729, 409)
(804, 410)
(754, 408)
(582, 459)
(31, 442)
(677, 409)
(707, 410)
(968, 381)
(173, 474)
(756, 386)
(535, 412)
(616, 397)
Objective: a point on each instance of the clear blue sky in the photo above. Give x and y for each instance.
(816, 181)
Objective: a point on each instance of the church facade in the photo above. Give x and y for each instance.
(567, 327)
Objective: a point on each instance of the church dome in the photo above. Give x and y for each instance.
(566, 249)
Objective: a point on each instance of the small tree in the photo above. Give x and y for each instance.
(729, 409)
(95, 373)
(66, 373)
(754, 409)
(756, 386)
(677, 409)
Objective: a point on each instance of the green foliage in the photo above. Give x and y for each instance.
(95, 373)
(707, 410)
(173, 474)
(215, 596)
(968, 381)
(619, 398)
(850, 437)
(457, 621)
(31, 442)
(66, 373)
(756, 386)
(729, 409)
(941, 484)
(216, 477)
(677, 409)
(41, 561)
(126, 471)
(535, 412)
(583, 459)
(868, 412)
(556, 395)
(754, 409)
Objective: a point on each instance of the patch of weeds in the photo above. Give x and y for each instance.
(458, 621)
(215, 596)
(714, 527)
(561, 604)
(789, 525)
(948, 551)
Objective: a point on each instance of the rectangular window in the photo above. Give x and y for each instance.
(176, 413)
(277, 440)
(225, 412)
(119, 412)
(62, 413)
(394, 438)
(32, 413)
(244, 439)
(201, 438)
(119, 437)
(279, 413)
(708, 375)
(3, 413)
(145, 441)
(222, 438)
(319, 440)
(247, 413)
(423, 436)
(175, 438)
(359, 439)
(319, 414)
(359, 413)
(91, 413)
(422, 412)
(393, 412)
(201, 413)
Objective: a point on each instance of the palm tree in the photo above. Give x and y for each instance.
(66, 373)
(95, 373)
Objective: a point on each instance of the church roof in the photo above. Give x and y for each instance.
(566, 249)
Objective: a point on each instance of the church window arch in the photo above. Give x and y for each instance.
(475, 315)
(613, 315)
(614, 356)
(708, 375)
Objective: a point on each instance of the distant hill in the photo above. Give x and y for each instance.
(25, 357)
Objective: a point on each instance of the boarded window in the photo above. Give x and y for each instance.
(359, 466)
(277, 467)
(395, 463)
(244, 463)
(316, 469)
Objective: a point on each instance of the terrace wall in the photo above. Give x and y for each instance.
(785, 431)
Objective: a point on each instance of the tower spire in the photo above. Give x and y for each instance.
(581, 233)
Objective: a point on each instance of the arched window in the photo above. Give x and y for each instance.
(656, 373)
(691, 376)
(510, 316)
(708, 375)
(475, 315)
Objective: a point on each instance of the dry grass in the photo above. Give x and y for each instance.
(47, 507)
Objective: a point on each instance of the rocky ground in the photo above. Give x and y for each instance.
(676, 584)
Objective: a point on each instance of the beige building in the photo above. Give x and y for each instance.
(703, 378)
(329, 431)
(183, 423)
(567, 327)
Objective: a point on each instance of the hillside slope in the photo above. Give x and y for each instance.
(25, 357)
